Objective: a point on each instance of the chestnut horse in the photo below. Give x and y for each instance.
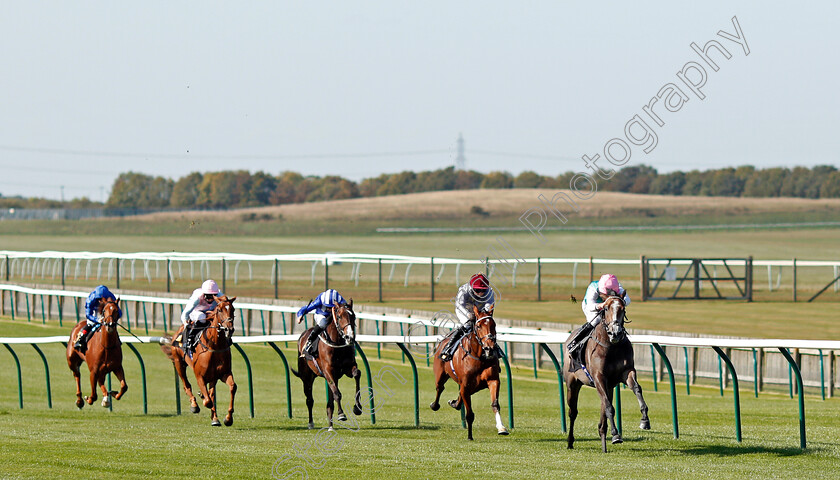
(103, 355)
(608, 359)
(475, 366)
(336, 357)
(210, 360)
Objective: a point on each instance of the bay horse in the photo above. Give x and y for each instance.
(474, 366)
(103, 355)
(210, 361)
(336, 358)
(607, 361)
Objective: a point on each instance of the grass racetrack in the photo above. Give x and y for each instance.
(62, 442)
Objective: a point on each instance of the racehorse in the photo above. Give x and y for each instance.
(475, 366)
(335, 357)
(607, 360)
(210, 361)
(103, 355)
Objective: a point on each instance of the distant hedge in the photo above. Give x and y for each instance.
(240, 188)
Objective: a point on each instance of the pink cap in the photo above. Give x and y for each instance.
(608, 282)
(209, 287)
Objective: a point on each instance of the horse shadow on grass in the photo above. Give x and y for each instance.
(733, 450)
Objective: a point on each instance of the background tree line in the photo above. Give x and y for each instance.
(240, 188)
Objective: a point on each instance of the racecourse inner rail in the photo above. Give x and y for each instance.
(408, 342)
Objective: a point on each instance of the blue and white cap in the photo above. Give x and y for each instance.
(331, 298)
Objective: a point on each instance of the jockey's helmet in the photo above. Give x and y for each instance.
(608, 284)
(479, 284)
(209, 287)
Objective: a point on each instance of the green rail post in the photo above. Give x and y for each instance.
(28, 313)
(370, 382)
(262, 320)
(687, 373)
(618, 409)
(142, 376)
(402, 335)
(673, 389)
(43, 311)
(46, 373)
(720, 376)
(20, 382)
(416, 390)
(559, 385)
(288, 379)
(790, 381)
(108, 387)
(534, 356)
(276, 278)
(755, 372)
(12, 301)
(59, 302)
(379, 266)
(76, 305)
(653, 367)
(250, 381)
(822, 375)
(510, 391)
(463, 416)
(378, 345)
(145, 317)
(795, 367)
(177, 392)
(426, 328)
(163, 309)
(736, 395)
(432, 277)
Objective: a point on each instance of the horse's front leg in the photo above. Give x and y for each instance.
(214, 418)
(74, 367)
(466, 401)
(92, 398)
(631, 382)
(232, 385)
(209, 402)
(607, 410)
(335, 396)
(120, 373)
(572, 391)
(494, 403)
(357, 375)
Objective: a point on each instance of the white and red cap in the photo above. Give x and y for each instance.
(209, 287)
(608, 282)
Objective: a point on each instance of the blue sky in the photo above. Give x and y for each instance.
(97, 88)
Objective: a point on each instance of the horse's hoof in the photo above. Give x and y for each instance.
(195, 409)
(106, 402)
(342, 417)
(216, 423)
(454, 404)
(311, 426)
(80, 403)
(645, 425)
(357, 410)
(434, 406)
(503, 431)
(200, 395)
(331, 429)
(617, 439)
(470, 439)
(228, 420)
(208, 403)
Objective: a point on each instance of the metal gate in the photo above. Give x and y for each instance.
(697, 278)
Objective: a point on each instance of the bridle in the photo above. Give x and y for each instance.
(225, 332)
(349, 340)
(487, 352)
(615, 328)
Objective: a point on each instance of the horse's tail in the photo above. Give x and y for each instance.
(166, 347)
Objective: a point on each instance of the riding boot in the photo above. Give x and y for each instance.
(81, 340)
(449, 350)
(580, 336)
(186, 341)
(309, 349)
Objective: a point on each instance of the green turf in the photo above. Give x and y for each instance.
(62, 442)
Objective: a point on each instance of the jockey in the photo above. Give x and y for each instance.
(93, 315)
(593, 305)
(323, 312)
(194, 315)
(475, 292)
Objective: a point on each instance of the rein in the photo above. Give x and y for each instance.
(326, 339)
(474, 334)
